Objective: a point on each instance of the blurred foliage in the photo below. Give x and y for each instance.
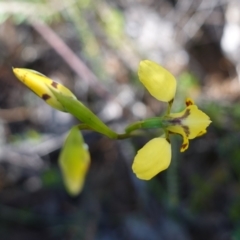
(51, 178)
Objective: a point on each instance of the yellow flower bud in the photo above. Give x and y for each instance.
(74, 162)
(61, 98)
(42, 85)
(153, 158)
(160, 83)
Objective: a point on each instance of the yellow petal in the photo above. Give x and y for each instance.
(41, 86)
(192, 120)
(160, 83)
(74, 162)
(197, 121)
(181, 131)
(153, 158)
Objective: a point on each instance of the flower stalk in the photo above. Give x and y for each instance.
(154, 157)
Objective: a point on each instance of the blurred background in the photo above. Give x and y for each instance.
(94, 47)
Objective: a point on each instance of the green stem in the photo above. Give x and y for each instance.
(172, 179)
(144, 124)
(83, 126)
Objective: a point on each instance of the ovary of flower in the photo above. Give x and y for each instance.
(153, 158)
(160, 83)
(42, 85)
(190, 123)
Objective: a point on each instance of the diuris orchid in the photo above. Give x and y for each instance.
(155, 156)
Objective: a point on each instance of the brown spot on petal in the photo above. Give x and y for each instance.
(54, 84)
(188, 103)
(184, 146)
(201, 133)
(45, 97)
(186, 130)
(23, 78)
(186, 114)
(177, 121)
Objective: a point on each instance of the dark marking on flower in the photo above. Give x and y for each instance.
(175, 121)
(186, 114)
(178, 121)
(201, 133)
(189, 103)
(184, 146)
(171, 101)
(186, 130)
(24, 77)
(45, 97)
(167, 138)
(54, 84)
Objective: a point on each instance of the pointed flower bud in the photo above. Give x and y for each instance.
(74, 162)
(61, 98)
(42, 85)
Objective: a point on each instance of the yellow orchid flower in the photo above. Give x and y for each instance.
(155, 156)
(42, 85)
(190, 123)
